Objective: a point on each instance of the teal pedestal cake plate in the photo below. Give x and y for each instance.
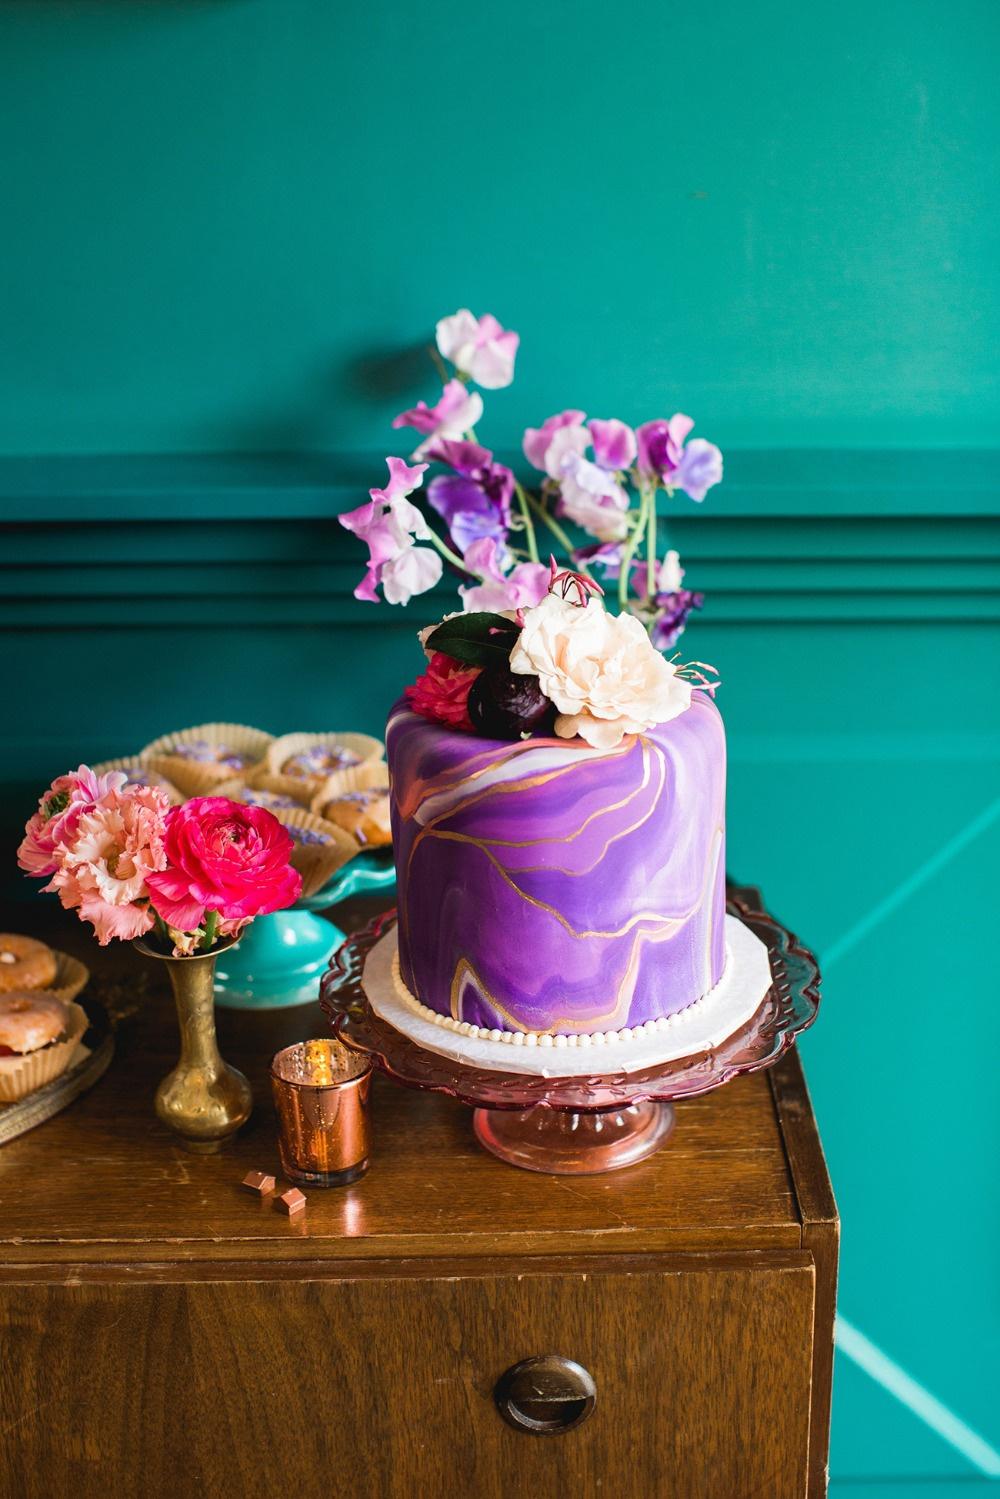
(282, 958)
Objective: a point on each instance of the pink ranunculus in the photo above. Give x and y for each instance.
(546, 446)
(110, 852)
(478, 347)
(456, 413)
(58, 812)
(225, 857)
(442, 692)
(523, 587)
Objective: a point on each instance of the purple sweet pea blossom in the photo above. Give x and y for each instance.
(523, 587)
(389, 524)
(672, 610)
(456, 412)
(475, 500)
(664, 458)
(479, 348)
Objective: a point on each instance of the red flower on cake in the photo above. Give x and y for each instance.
(442, 693)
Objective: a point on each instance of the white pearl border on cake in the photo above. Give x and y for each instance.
(546, 1038)
(700, 1027)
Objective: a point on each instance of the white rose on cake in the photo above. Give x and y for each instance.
(600, 670)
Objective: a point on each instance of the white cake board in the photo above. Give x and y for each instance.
(703, 1025)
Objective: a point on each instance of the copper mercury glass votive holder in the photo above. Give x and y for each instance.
(321, 1090)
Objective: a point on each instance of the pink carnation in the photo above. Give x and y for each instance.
(106, 856)
(58, 812)
(442, 693)
(225, 857)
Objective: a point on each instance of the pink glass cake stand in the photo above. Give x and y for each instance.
(579, 1125)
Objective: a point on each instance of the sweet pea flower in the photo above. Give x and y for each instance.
(479, 348)
(456, 412)
(614, 443)
(546, 446)
(475, 500)
(389, 524)
(607, 555)
(523, 587)
(666, 457)
(672, 602)
(592, 498)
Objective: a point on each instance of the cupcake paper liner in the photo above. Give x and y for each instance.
(134, 762)
(71, 977)
(369, 776)
(195, 778)
(316, 862)
(20, 1076)
(368, 750)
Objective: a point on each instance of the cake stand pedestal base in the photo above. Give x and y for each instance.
(563, 1143)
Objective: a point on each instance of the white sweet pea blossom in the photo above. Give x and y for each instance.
(670, 578)
(413, 571)
(478, 347)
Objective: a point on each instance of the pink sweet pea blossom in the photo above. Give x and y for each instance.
(58, 812)
(458, 410)
(547, 445)
(614, 443)
(523, 587)
(664, 457)
(389, 524)
(114, 848)
(479, 348)
(592, 498)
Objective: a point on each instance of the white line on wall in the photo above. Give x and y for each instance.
(925, 1406)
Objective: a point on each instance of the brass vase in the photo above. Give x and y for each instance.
(203, 1100)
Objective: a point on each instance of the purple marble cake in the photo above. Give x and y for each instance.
(547, 886)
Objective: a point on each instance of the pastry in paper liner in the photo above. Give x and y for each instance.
(367, 750)
(200, 776)
(365, 824)
(131, 763)
(316, 861)
(259, 794)
(25, 963)
(71, 978)
(21, 1075)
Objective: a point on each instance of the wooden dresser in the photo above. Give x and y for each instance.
(165, 1334)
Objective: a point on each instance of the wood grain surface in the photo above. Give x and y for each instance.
(166, 1334)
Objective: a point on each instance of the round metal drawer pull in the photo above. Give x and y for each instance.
(545, 1395)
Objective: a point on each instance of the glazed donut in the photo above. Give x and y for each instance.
(29, 1020)
(25, 963)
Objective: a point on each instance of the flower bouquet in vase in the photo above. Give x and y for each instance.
(180, 882)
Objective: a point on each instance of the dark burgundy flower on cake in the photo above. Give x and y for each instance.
(442, 693)
(504, 705)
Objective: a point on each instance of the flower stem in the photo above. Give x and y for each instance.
(557, 531)
(628, 550)
(211, 922)
(529, 529)
(447, 552)
(439, 364)
(651, 546)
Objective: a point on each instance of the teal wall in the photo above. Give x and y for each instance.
(228, 228)
(223, 219)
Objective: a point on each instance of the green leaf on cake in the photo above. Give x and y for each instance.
(477, 639)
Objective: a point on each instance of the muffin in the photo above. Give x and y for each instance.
(199, 760)
(299, 764)
(320, 847)
(138, 774)
(39, 1035)
(25, 963)
(364, 814)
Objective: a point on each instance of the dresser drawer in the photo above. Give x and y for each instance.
(383, 1384)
